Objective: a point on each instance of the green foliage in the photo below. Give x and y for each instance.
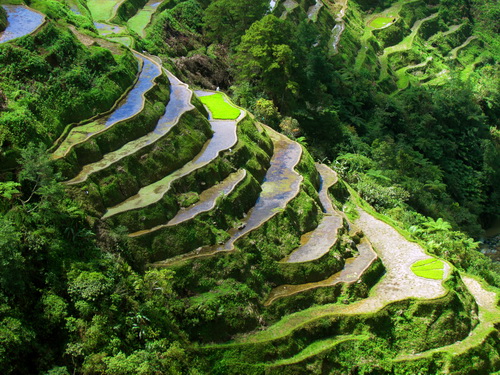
(220, 109)
(184, 19)
(427, 156)
(68, 83)
(265, 58)
(3, 19)
(380, 22)
(227, 20)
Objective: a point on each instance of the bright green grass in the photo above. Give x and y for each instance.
(102, 10)
(429, 268)
(127, 41)
(316, 348)
(139, 22)
(380, 22)
(424, 262)
(220, 109)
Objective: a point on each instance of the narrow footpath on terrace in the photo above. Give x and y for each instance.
(281, 184)
(402, 74)
(179, 103)
(224, 138)
(129, 106)
(399, 283)
(21, 21)
(454, 52)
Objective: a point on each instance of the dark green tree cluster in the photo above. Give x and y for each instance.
(3, 19)
(68, 300)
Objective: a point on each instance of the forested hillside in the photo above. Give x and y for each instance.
(249, 187)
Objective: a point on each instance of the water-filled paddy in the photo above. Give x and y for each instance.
(130, 106)
(21, 21)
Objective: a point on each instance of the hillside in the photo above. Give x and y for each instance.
(234, 187)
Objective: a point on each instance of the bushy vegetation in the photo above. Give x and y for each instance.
(76, 294)
(3, 19)
(50, 80)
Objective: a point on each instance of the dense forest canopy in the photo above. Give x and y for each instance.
(406, 115)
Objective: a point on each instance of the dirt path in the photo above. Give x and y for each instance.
(398, 254)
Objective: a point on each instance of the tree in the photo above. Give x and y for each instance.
(266, 59)
(226, 20)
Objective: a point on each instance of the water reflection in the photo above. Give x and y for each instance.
(21, 21)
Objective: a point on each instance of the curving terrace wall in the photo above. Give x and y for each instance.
(3, 19)
(127, 9)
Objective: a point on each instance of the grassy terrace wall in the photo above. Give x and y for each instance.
(405, 326)
(349, 43)
(3, 19)
(151, 163)
(68, 82)
(392, 35)
(251, 152)
(346, 293)
(251, 265)
(127, 9)
(120, 133)
(203, 230)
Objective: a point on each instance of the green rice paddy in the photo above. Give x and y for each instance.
(220, 109)
(102, 10)
(380, 22)
(429, 268)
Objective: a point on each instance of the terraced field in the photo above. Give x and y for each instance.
(412, 55)
(142, 18)
(208, 163)
(21, 21)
